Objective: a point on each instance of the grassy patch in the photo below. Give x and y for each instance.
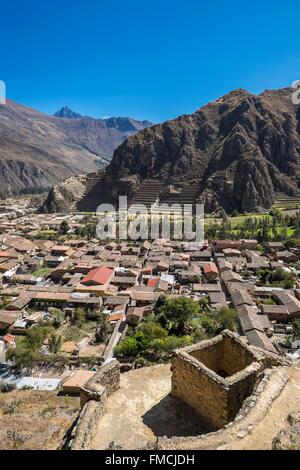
(73, 333)
(89, 327)
(43, 272)
(234, 221)
(32, 420)
(48, 232)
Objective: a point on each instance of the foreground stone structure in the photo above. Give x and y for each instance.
(102, 384)
(256, 424)
(216, 376)
(225, 380)
(94, 397)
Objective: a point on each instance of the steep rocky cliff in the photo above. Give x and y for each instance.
(62, 196)
(239, 149)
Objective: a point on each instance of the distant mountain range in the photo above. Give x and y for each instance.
(37, 150)
(67, 113)
(239, 151)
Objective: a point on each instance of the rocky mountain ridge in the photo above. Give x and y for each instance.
(67, 113)
(37, 151)
(240, 149)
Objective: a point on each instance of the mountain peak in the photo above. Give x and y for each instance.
(34, 143)
(67, 113)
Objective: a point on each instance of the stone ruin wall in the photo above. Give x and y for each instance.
(97, 390)
(195, 378)
(223, 352)
(254, 409)
(108, 378)
(193, 389)
(93, 397)
(266, 380)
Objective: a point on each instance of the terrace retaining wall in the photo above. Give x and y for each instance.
(93, 401)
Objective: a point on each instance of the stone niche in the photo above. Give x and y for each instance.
(214, 377)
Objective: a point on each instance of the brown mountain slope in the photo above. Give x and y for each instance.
(239, 150)
(37, 151)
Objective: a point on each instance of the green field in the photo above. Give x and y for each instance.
(43, 272)
(235, 221)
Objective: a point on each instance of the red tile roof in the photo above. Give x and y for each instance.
(147, 269)
(9, 338)
(98, 276)
(152, 282)
(116, 317)
(210, 268)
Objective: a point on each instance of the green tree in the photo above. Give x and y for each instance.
(209, 325)
(223, 215)
(275, 212)
(36, 336)
(55, 342)
(284, 232)
(277, 278)
(177, 311)
(93, 315)
(102, 328)
(153, 330)
(79, 317)
(64, 228)
(142, 340)
(226, 319)
(6, 300)
(292, 243)
(265, 230)
(170, 343)
(204, 301)
(27, 352)
(196, 330)
(296, 328)
(127, 347)
(58, 315)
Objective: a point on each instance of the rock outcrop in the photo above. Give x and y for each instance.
(240, 150)
(94, 397)
(63, 196)
(289, 437)
(67, 113)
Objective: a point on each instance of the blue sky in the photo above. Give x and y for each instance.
(148, 59)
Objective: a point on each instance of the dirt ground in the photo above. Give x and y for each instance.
(261, 426)
(31, 420)
(276, 420)
(142, 409)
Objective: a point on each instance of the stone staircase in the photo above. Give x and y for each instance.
(92, 196)
(148, 194)
(187, 195)
(283, 200)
